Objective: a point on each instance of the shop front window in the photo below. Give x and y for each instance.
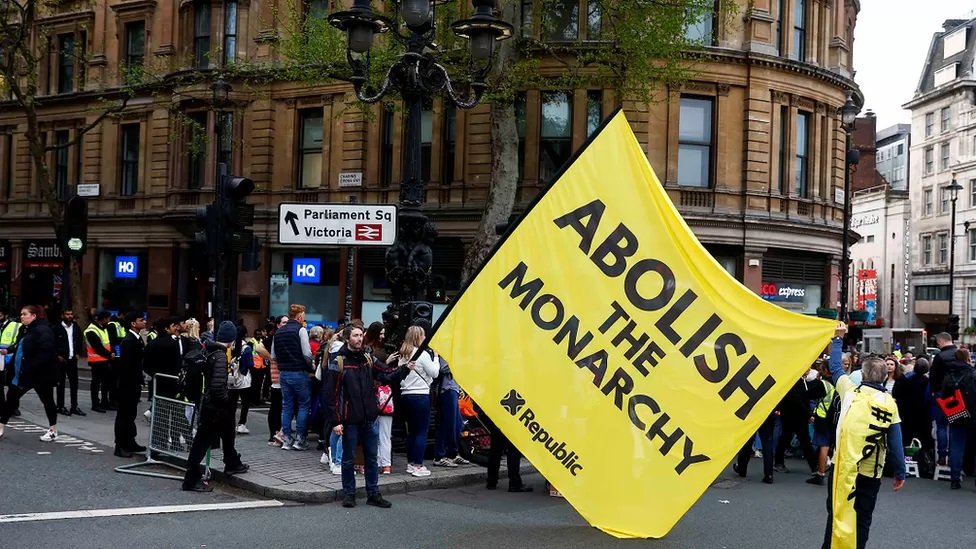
(310, 279)
(123, 280)
(797, 297)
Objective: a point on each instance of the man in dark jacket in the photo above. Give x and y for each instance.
(164, 355)
(70, 346)
(215, 419)
(351, 407)
(946, 354)
(129, 367)
(795, 416)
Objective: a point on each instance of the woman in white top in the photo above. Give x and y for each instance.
(415, 395)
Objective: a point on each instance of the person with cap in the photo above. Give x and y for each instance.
(215, 419)
(129, 364)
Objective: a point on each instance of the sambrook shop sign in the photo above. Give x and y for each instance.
(783, 293)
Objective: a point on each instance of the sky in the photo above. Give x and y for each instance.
(891, 41)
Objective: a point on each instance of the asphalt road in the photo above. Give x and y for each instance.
(746, 514)
(732, 514)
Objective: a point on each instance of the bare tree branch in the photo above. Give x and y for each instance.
(91, 125)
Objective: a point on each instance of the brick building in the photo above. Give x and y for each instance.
(751, 151)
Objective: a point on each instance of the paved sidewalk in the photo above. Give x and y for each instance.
(275, 473)
(298, 476)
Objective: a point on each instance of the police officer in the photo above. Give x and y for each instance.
(100, 355)
(116, 333)
(10, 331)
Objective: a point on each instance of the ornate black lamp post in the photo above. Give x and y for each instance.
(848, 115)
(954, 187)
(416, 75)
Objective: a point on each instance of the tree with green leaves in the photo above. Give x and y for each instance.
(633, 47)
(24, 45)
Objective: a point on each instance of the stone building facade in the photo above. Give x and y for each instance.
(751, 151)
(943, 148)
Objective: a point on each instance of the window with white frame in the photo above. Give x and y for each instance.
(929, 160)
(945, 119)
(927, 201)
(929, 124)
(944, 162)
(972, 307)
(927, 250)
(944, 201)
(972, 245)
(943, 248)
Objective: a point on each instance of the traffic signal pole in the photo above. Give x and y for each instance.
(219, 258)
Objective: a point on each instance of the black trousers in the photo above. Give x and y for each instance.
(114, 374)
(865, 498)
(244, 396)
(802, 430)
(100, 383)
(766, 438)
(501, 445)
(45, 393)
(68, 370)
(274, 414)
(125, 417)
(214, 423)
(257, 381)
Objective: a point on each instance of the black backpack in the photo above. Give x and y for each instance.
(192, 371)
(964, 381)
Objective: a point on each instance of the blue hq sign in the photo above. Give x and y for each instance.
(306, 270)
(126, 266)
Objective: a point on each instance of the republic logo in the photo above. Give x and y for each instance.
(514, 403)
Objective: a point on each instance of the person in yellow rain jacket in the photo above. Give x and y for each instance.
(868, 427)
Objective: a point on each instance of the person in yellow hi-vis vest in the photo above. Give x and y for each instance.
(99, 356)
(867, 428)
(9, 333)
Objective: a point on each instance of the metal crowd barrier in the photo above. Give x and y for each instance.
(171, 428)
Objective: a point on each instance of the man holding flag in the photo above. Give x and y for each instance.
(867, 428)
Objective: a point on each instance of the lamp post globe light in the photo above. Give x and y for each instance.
(952, 320)
(415, 76)
(848, 115)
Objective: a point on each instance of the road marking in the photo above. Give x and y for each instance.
(67, 440)
(135, 511)
(44, 453)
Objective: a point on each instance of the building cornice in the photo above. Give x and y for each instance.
(938, 93)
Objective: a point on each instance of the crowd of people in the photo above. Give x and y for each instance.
(919, 405)
(340, 387)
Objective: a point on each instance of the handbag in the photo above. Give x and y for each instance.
(384, 398)
(235, 379)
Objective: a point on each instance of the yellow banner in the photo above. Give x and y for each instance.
(614, 351)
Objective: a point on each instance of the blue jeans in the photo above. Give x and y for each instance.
(941, 432)
(294, 391)
(418, 421)
(448, 425)
(958, 435)
(335, 447)
(351, 435)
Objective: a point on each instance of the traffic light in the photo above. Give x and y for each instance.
(238, 215)
(952, 326)
(251, 261)
(208, 233)
(76, 225)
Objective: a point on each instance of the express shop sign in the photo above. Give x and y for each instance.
(782, 293)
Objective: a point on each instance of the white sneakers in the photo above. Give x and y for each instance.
(243, 430)
(418, 471)
(50, 436)
(148, 415)
(336, 469)
(324, 460)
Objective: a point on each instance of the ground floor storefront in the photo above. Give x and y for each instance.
(171, 280)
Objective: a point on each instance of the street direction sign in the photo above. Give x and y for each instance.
(337, 224)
